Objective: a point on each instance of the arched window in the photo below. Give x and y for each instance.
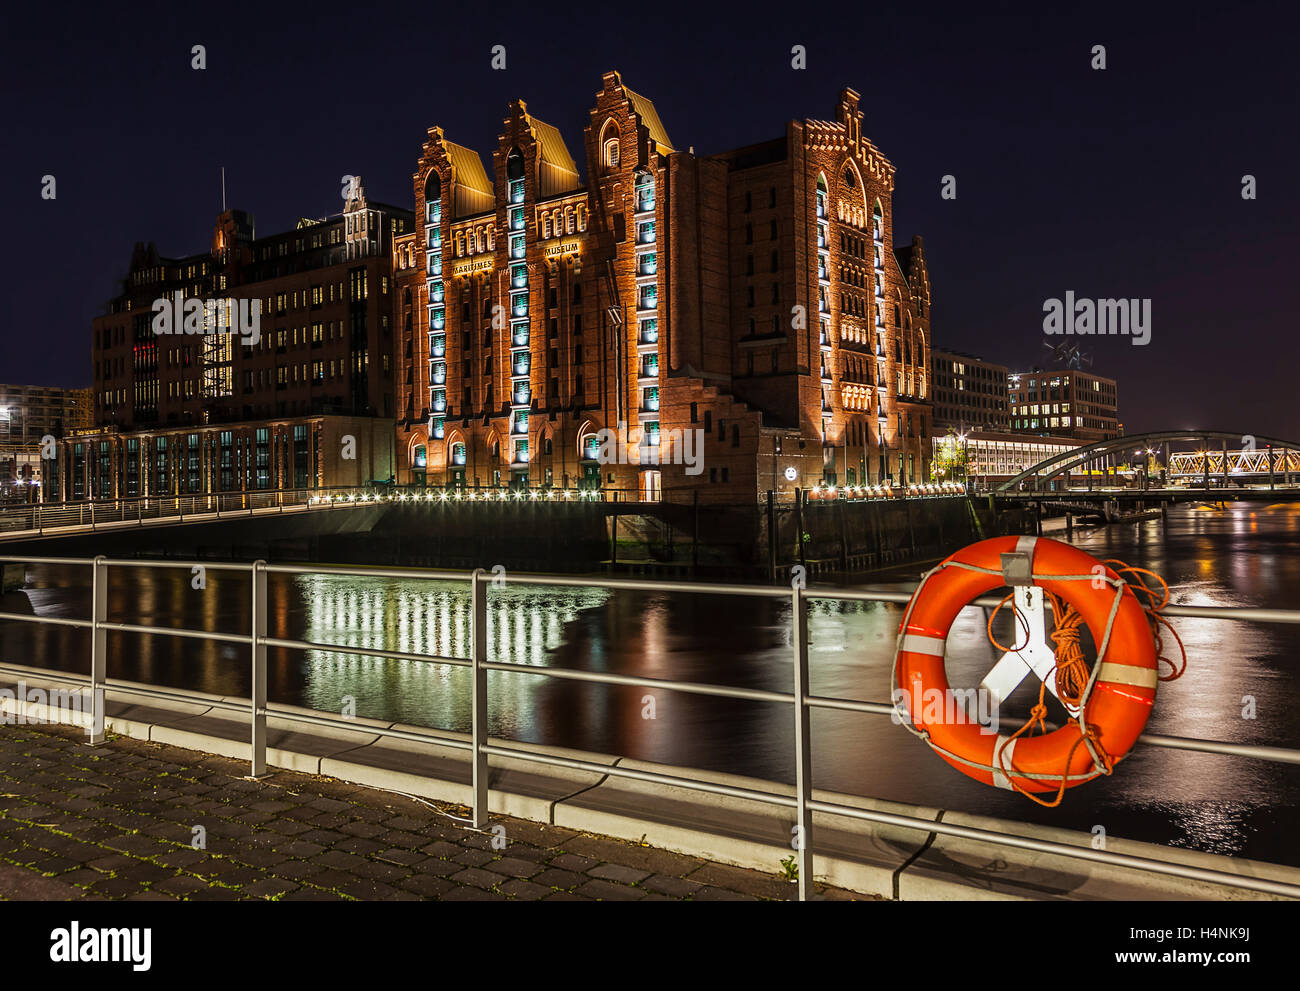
(644, 189)
(514, 164)
(433, 186)
(609, 153)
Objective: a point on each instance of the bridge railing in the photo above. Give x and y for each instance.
(479, 586)
(95, 514)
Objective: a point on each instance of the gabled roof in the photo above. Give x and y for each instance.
(554, 151)
(645, 109)
(469, 168)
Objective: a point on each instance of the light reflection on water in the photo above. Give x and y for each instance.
(1242, 556)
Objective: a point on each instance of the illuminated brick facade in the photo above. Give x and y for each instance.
(754, 296)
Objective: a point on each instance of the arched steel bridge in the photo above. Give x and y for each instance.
(1177, 463)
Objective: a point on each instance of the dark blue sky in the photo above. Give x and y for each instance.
(1117, 183)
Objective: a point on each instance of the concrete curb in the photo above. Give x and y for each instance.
(877, 859)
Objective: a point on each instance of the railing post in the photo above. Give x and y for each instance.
(478, 696)
(802, 835)
(98, 648)
(258, 691)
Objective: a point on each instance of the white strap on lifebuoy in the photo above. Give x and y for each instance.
(1002, 758)
(1128, 674)
(919, 643)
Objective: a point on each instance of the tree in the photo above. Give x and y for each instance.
(951, 461)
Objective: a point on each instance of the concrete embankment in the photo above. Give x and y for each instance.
(884, 857)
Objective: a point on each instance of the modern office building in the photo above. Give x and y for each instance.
(985, 458)
(732, 323)
(969, 393)
(31, 415)
(1064, 402)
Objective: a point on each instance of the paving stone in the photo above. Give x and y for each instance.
(117, 823)
(609, 891)
(426, 885)
(270, 887)
(619, 873)
(471, 894)
(573, 862)
(553, 878)
(473, 858)
(515, 867)
(478, 877)
(708, 894)
(742, 880)
(676, 886)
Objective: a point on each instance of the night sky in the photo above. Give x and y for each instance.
(1124, 182)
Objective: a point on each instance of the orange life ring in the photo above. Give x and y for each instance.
(1123, 682)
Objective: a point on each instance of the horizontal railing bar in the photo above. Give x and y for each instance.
(625, 772)
(314, 719)
(637, 584)
(604, 678)
(1107, 857)
(851, 705)
(51, 620)
(425, 574)
(168, 631)
(327, 648)
(1283, 755)
(11, 559)
(1235, 613)
(165, 564)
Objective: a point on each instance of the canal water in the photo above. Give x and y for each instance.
(1236, 688)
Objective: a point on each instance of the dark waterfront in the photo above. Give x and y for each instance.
(1241, 556)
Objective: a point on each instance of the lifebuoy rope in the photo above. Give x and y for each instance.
(1074, 681)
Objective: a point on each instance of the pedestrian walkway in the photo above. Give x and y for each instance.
(137, 820)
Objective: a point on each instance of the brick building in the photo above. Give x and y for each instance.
(969, 393)
(325, 336)
(188, 412)
(747, 309)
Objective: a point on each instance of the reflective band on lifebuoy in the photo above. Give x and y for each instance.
(1116, 707)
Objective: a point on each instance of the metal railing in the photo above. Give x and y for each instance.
(96, 514)
(800, 698)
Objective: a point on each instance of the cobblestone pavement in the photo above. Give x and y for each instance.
(123, 821)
